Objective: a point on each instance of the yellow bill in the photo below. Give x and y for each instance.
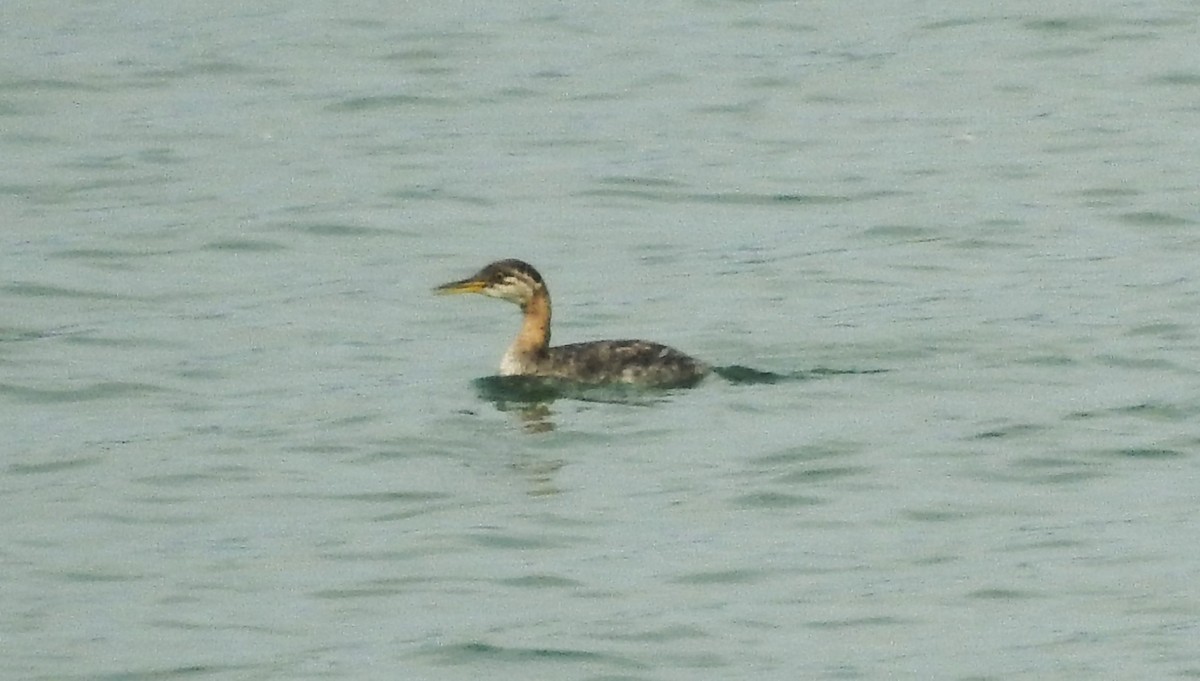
(464, 286)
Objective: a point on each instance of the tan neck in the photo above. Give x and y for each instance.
(533, 338)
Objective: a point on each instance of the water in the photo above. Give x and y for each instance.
(244, 441)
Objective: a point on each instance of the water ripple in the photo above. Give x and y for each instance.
(478, 653)
(95, 391)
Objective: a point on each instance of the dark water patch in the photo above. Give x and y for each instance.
(414, 512)
(734, 198)
(201, 624)
(185, 479)
(46, 291)
(937, 516)
(1050, 471)
(744, 375)
(1150, 218)
(1154, 411)
(226, 473)
(639, 181)
(415, 54)
(390, 497)
(517, 93)
(720, 577)
(86, 340)
(1052, 361)
(743, 107)
(163, 156)
(103, 162)
(806, 453)
(1065, 24)
(51, 466)
(985, 244)
(167, 673)
(774, 500)
(1007, 432)
(325, 448)
(1001, 594)
(856, 622)
(1065, 53)
(1157, 411)
(1108, 192)
(773, 24)
(520, 543)
(145, 519)
(398, 506)
(1190, 78)
(336, 229)
(47, 85)
(1149, 453)
(1105, 197)
(358, 104)
(1125, 362)
(955, 23)
(539, 582)
(243, 246)
(903, 233)
(99, 577)
(352, 593)
(477, 652)
(1049, 463)
(937, 559)
(55, 194)
(677, 632)
(820, 475)
(10, 335)
(102, 254)
(772, 83)
(434, 194)
(736, 373)
(1164, 330)
(96, 391)
(213, 67)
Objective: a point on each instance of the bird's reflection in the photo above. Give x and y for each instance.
(531, 398)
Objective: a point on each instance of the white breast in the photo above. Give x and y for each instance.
(510, 365)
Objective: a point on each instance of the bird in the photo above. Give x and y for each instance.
(629, 362)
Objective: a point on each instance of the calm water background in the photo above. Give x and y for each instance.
(241, 438)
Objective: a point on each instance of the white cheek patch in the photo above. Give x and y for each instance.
(505, 291)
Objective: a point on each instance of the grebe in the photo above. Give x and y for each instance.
(610, 361)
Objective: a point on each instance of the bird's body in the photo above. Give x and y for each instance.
(610, 361)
